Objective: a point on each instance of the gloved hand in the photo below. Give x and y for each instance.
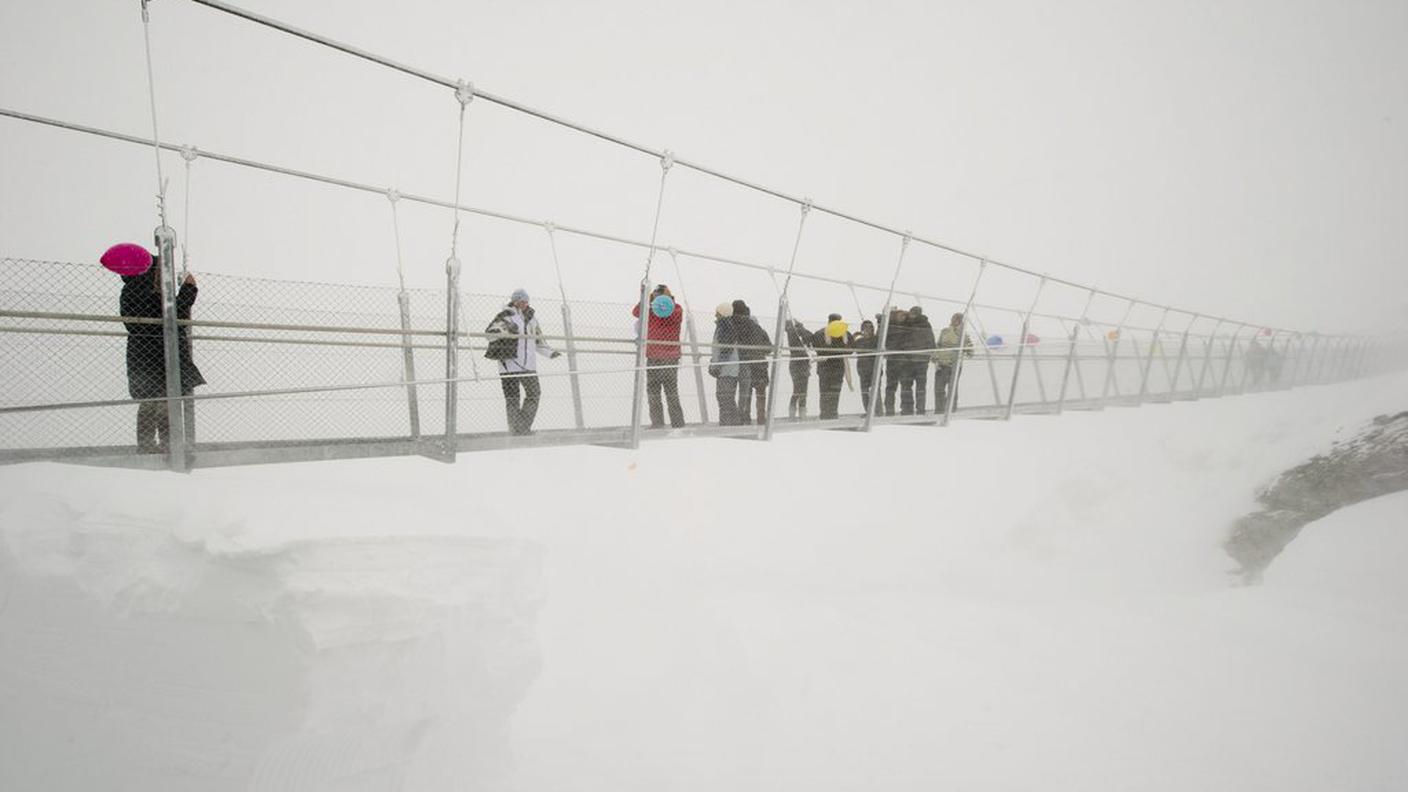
(555, 355)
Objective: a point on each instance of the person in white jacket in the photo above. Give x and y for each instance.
(518, 374)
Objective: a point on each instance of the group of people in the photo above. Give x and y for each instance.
(910, 345)
(739, 361)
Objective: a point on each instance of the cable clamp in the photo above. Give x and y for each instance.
(452, 266)
(549, 227)
(806, 206)
(464, 92)
(392, 195)
(189, 153)
(667, 159)
(674, 254)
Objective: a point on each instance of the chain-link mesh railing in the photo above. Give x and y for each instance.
(290, 364)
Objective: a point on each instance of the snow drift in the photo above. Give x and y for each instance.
(1042, 603)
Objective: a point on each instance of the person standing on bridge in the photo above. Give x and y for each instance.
(799, 366)
(662, 356)
(919, 342)
(723, 365)
(516, 340)
(753, 345)
(896, 362)
(832, 344)
(146, 355)
(952, 341)
(865, 345)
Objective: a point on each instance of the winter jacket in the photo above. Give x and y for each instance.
(798, 340)
(865, 360)
(524, 324)
(146, 349)
(918, 338)
(948, 343)
(667, 329)
(723, 361)
(754, 346)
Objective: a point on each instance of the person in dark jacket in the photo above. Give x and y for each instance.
(895, 364)
(753, 345)
(865, 345)
(723, 366)
(662, 357)
(146, 356)
(918, 341)
(831, 350)
(799, 366)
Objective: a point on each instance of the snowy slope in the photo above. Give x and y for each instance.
(1034, 604)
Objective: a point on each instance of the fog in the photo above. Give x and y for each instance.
(1241, 160)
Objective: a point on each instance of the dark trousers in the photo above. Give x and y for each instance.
(666, 380)
(154, 424)
(801, 371)
(520, 415)
(943, 380)
(914, 386)
(726, 390)
(894, 379)
(749, 383)
(830, 375)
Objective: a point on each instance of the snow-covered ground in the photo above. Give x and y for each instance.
(1040, 604)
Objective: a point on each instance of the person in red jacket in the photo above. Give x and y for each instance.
(662, 356)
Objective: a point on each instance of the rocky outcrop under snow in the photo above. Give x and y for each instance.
(1373, 463)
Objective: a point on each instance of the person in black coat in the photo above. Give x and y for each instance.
(865, 345)
(830, 366)
(799, 366)
(896, 341)
(146, 355)
(918, 340)
(754, 346)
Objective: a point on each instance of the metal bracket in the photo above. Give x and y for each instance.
(464, 92)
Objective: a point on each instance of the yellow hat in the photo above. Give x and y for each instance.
(836, 328)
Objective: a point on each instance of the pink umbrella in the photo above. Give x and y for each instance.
(126, 258)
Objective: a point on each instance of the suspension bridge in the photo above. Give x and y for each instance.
(309, 371)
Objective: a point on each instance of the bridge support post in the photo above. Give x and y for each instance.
(1021, 350)
(452, 359)
(638, 390)
(1207, 357)
(573, 377)
(775, 366)
(177, 437)
(408, 363)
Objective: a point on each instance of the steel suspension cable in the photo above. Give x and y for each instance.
(151, 95)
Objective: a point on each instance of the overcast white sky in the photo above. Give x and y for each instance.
(1242, 158)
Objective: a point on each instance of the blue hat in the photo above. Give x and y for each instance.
(519, 295)
(662, 306)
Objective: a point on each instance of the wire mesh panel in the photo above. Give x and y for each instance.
(299, 363)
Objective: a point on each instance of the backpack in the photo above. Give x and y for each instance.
(501, 348)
